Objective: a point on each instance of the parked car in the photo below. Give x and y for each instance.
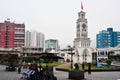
(10, 68)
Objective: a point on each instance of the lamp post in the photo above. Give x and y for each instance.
(20, 61)
(71, 53)
(78, 58)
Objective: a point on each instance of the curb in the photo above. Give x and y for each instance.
(116, 70)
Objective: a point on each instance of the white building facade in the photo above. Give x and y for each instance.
(83, 51)
(102, 53)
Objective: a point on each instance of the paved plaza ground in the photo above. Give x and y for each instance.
(4, 75)
(92, 76)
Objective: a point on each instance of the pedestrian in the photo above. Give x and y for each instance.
(19, 70)
(26, 74)
(76, 66)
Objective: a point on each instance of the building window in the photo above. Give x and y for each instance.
(98, 54)
(62, 54)
(101, 53)
(6, 28)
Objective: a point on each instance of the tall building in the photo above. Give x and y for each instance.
(83, 51)
(107, 38)
(12, 35)
(27, 38)
(34, 39)
(51, 44)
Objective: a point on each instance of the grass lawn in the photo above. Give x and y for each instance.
(100, 68)
(52, 64)
(92, 68)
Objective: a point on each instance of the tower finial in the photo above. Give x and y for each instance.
(81, 6)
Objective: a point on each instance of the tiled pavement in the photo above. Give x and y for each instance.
(4, 75)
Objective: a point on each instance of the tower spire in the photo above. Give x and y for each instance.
(81, 6)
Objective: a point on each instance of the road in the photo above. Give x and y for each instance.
(4, 75)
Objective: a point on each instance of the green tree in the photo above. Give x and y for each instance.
(6, 58)
(109, 60)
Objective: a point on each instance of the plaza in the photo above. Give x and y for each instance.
(61, 75)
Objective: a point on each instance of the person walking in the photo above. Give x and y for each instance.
(76, 66)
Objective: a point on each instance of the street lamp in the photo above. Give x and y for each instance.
(71, 53)
(20, 61)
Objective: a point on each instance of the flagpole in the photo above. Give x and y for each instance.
(81, 6)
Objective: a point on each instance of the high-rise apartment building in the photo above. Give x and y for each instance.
(51, 44)
(34, 39)
(107, 38)
(12, 35)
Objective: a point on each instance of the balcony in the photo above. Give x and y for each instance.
(19, 32)
(19, 38)
(18, 42)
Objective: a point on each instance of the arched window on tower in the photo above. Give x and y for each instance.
(82, 15)
(84, 27)
(78, 27)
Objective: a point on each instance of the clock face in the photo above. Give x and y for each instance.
(84, 27)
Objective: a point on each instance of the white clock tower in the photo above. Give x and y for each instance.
(83, 52)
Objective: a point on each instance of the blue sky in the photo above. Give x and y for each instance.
(57, 18)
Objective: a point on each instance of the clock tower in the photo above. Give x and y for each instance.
(82, 29)
(82, 42)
